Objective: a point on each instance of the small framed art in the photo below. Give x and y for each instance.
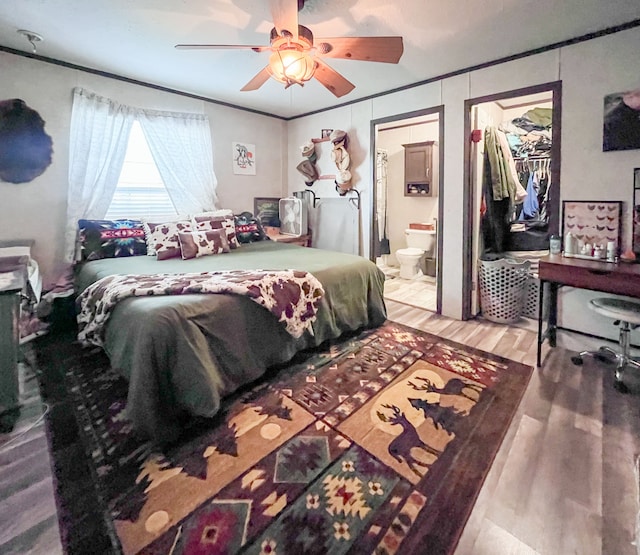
(326, 133)
(266, 209)
(636, 213)
(595, 223)
(244, 158)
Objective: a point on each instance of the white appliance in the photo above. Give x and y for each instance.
(293, 216)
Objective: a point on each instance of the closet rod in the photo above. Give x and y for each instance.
(537, 157)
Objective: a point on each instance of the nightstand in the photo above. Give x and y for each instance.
(302, 240)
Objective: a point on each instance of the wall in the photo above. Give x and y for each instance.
(588, 71)
(354, 120)
(38, 209)
(402, 210)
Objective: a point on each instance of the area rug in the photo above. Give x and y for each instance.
(378, 443)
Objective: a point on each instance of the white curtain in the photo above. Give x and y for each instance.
(97, 147)
(181, 148)
(382, 162)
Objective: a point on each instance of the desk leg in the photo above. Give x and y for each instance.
(540, 314)
(552, 320)
(553, 313)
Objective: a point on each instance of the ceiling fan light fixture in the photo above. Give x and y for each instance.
(291, 66)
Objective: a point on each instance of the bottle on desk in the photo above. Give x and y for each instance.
(598, 252)
(569, 243)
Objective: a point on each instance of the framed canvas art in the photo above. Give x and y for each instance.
(621, 121)
(266, 209)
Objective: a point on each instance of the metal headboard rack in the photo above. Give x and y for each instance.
(355, 200)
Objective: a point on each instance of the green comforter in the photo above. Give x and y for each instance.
(182, 354)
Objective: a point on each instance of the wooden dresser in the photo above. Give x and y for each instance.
(12, 284)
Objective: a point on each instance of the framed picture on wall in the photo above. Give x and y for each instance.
(621, 121)
(266, 209)
(636, 213)
(594, 223)
(244, 158)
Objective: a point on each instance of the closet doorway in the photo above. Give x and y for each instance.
(519, 132)
(406, 244)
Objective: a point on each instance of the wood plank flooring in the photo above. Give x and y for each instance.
(558, 485)
(28, 517)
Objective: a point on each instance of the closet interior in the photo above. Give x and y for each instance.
(515, 182)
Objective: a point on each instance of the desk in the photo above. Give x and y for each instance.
(596, 275)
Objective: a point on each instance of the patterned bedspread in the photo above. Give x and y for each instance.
(291, 295)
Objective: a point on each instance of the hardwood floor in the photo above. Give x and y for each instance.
(563, 482)
(28, 517)
(558, 485)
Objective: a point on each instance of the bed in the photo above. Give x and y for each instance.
(183, 354)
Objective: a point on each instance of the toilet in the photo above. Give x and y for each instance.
(419, 242)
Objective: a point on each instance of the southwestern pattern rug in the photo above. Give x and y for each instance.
(378, 444)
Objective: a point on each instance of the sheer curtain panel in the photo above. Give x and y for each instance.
(181, 148)
(98, 142)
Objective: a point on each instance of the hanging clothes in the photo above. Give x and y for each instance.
(503, 183)
(382, 162)
(496, 216)
(520, 192)
(530, 207)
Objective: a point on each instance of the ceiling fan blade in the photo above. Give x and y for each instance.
(285, 16)
(331, 79)
(366, 49)
(260, 79)
(255, 48)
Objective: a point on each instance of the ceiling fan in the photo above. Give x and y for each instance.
(296, 58)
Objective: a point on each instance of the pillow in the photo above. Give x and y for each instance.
(162, 238)
(201, 243)
(111, 239)
(249, 229)
(218, 219)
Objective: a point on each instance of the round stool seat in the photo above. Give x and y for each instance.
(618, 309)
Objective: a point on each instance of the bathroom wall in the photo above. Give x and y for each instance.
(402, 210)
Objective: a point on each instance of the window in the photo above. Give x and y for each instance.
(140, 192)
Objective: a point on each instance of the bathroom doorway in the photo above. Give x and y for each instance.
(406, 240)
(526, 124)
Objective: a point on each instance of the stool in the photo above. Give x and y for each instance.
(626, 315)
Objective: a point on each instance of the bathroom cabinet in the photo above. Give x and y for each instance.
(419, 168)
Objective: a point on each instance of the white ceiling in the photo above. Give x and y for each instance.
(136, 38)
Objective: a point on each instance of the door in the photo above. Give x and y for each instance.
(497, 110)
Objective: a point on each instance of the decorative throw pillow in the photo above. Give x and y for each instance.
(218, 219)
(111, 238)
(162, 238)
(249, 229)
(202, 243)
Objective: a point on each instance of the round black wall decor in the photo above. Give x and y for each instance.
(25, 149)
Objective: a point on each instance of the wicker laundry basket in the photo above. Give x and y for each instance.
(503, 289)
